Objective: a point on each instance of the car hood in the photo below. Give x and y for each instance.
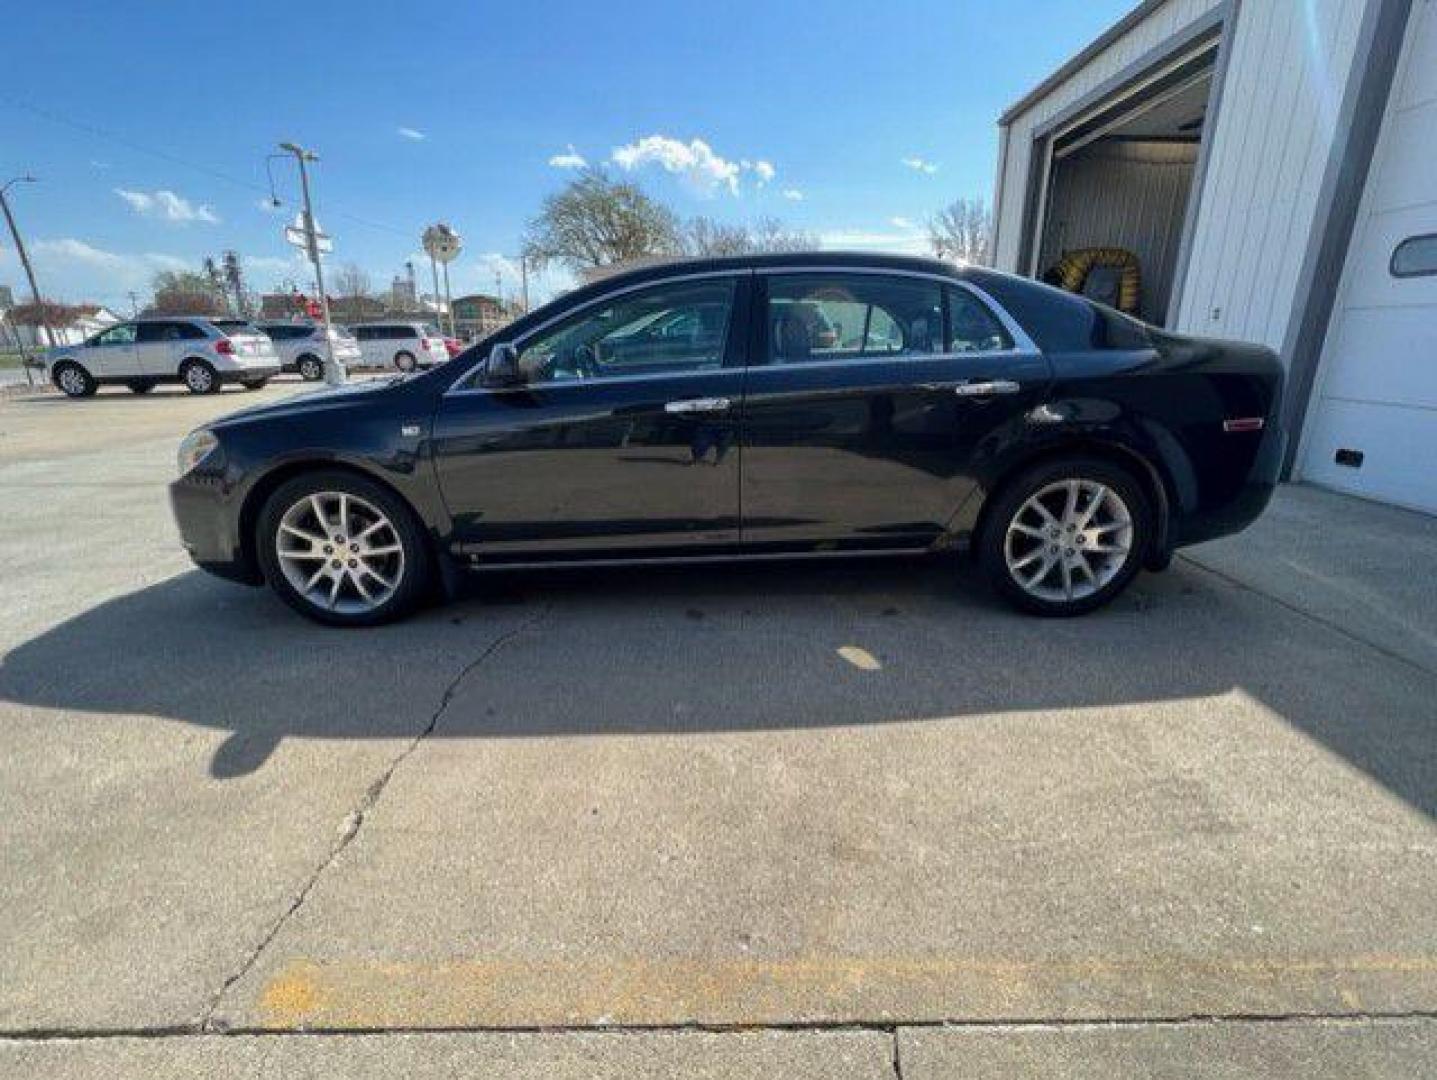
(326, 397)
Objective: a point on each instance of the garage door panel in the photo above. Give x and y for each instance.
(1408, 175)
(1370, 281)
(1387, 354)
(1397, 445)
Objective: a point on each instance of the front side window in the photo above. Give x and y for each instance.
(818, 317)
(124, 334)
(663, 330)
(1415, 257)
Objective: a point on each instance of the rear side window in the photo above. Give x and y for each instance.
(233, 326)
(403, 332)
(823, 317)
(972, 327)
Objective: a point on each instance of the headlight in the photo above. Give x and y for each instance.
(197, 446)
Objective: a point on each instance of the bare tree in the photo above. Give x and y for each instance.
(185, 292)
(704, 236)
(597, 221)
(352, 280)
(963, 230)
(234, 281)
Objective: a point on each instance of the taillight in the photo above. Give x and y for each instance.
(224, 347)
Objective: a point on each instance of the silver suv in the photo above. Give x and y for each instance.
(201, 353)
(301, 347)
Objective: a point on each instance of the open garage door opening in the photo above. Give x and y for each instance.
(1112, 202)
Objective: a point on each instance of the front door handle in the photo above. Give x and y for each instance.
(699, 405)
(987, 388)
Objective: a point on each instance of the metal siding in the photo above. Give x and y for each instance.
(1377, 384)
(1146, 35)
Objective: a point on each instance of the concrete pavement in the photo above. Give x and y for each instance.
(860, 797)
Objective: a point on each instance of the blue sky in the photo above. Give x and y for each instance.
(149, 123)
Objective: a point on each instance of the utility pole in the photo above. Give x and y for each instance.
(438, 311)
(524, 279)
(134, 304)
(29, 270)
(333, 374)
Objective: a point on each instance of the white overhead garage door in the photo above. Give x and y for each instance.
(1372, 429)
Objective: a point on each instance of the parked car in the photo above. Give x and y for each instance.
(202, 353)
(301, 347)
(1065, 445)
(405, 346)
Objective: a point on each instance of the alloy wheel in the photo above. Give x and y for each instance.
(1068, 540)
(199, 378)
(72, 381)
(340, 552)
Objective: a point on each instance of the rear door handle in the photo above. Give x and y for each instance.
(699, 405)
(987, 388)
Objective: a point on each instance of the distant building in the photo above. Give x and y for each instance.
(477, 316)
(402, 294)
(7, 298)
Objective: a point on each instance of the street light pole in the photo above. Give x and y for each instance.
(333, 373)
(29, 270)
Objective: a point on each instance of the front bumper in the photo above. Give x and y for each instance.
(207, 514)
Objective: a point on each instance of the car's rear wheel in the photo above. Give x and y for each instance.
(311, 368)
(343, 550)
(200, 377)
(140, 386)
(73, 380)
(405, 361)
(1066, 536)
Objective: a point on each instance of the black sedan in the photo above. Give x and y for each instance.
(771, 406)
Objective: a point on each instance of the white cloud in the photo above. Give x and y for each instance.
(695, 161)
(765, 171)
(793, 194)
(901, 222)
(167, 206)
(569, 159)
(908, 242)
(918, 164)
(78, 271)
(412, 134)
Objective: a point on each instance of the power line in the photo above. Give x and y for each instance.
(175, 159)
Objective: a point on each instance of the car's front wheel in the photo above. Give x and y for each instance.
(1066, 536)
(405, 361)
(311, 368)
(343, 550)
(200, 377)
(74, 381)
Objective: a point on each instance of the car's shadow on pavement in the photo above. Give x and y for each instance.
(739, 648)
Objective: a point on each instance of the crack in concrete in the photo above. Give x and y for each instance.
(889, 1027)
(1311, 616)
(353, 822)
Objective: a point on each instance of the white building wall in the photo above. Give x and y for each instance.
(1160, 25)
(1287, 73)
(1286, 79)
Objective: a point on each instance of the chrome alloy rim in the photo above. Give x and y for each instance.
(72, 381)
(1068, 540)
(340, 552)
(198, 377)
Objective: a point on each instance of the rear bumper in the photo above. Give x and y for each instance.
(1247, 502)
(250, 372)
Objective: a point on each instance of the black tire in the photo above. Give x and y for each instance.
(405, 361)
(73, 381)
(1005, 507)
(200, 377)
(256, 384)
(140, 386)
(413, 586)
(310, 368)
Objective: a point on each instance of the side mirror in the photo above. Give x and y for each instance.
(502, 367)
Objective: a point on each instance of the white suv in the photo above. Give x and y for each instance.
(204, 354)
(404, 345)
(301, 347)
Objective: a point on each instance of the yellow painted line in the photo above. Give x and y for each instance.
(504, 992)
(860, 658)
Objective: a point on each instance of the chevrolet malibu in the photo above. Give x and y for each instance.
(752, 407)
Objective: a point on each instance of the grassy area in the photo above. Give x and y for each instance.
(9, 358)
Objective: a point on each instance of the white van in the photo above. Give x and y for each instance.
(402, 345)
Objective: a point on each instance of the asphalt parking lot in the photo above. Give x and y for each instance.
(818, 820)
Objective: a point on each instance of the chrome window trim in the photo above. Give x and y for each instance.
(457, 387)
(1023, 345)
